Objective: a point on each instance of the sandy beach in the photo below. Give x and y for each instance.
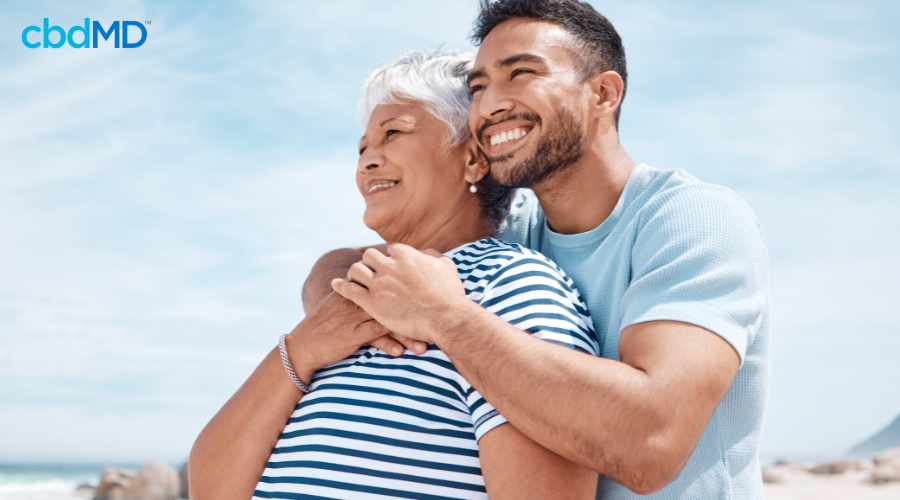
(853, 485)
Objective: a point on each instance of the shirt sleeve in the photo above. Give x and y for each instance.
(533, 294)
(700, 257)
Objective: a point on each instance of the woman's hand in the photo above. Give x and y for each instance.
(336, 264)
(413, 293)
(332, 331)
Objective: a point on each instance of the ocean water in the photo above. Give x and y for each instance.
(48, 482)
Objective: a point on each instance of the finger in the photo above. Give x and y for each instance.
(374, 259)
(432, 252)
(351, 291)
(413, 345)
(388, 345)
(360, 273)
(396, 249)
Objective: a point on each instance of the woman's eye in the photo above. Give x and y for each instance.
(391, 132)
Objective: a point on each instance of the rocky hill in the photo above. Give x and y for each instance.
(889, 437)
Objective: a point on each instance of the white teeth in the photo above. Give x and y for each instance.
(507, 136)
(384, 184)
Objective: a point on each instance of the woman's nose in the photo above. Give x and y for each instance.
(369, 160)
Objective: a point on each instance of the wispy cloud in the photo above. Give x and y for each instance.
(160, 207)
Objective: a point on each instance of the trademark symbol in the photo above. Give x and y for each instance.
(146, 22)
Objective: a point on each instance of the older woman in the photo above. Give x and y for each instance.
(377, 426)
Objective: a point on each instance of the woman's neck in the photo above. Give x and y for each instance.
(461, 228)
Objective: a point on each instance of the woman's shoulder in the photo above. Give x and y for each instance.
(492, 261)
(496, 254)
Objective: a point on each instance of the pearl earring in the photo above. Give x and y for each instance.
(472, 188)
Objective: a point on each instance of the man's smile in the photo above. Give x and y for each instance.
(505, 136)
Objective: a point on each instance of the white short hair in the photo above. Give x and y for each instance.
(433, 78)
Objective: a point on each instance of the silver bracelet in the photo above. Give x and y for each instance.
(287, 364)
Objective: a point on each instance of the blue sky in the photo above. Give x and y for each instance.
(161, 206)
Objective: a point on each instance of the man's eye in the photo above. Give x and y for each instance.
(361, 151)
(521, 71)
(391, 132)
(475, 88)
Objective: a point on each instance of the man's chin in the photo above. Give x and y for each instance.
(509, 173)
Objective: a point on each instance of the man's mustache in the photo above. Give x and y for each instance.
(525, 115)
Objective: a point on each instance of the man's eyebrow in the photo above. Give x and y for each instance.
(509, 61)
(478, 73)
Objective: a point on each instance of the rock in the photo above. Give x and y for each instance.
(792, 464)
(183, 476)
(885, 474)
(155, 481)
(836, 466)
(773, 475)
(113, 482)
(887, 457)
(887, 466)
(85, 491)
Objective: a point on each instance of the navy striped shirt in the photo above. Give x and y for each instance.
(377, 427)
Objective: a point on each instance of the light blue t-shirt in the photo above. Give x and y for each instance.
(678, 249)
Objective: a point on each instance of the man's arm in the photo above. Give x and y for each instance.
(636, 420)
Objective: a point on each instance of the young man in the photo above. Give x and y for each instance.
(673, 270)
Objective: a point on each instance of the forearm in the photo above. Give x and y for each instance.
(516, 468)
(600, 413)
(231, 452)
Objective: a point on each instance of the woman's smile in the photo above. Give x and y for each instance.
(375, 186)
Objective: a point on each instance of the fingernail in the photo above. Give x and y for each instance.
(397, 351)
(420, 347)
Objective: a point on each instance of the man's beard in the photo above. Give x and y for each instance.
(553, 153)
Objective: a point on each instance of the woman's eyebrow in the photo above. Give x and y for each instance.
(407, 120)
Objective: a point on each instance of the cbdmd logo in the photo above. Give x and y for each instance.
(86, 36)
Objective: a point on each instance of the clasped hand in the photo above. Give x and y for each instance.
(414, 294)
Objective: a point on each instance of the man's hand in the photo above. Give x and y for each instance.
(414, 294)
(317, 287)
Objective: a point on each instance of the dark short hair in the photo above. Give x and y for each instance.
(495, 200)
(597, 45)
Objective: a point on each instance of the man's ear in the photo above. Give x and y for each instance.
(606, 93)
(476, 163)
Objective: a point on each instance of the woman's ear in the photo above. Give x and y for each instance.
(476, 163)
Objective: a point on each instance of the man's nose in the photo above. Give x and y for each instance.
(494, 101)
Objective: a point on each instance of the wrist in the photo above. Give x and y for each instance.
(450, 322)
(301, 358)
